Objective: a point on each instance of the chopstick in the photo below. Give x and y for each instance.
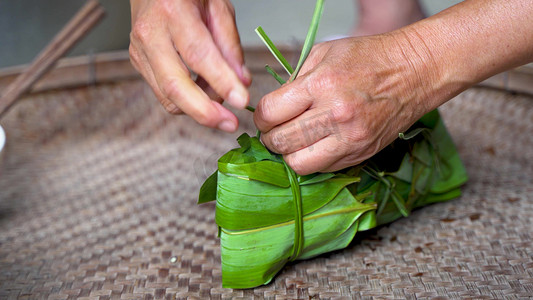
(84, 20)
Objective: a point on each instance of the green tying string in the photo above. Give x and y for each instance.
(298, 213)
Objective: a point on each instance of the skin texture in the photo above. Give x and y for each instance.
(352, 97)
(342, 109)
(169, 35)
(355, 95)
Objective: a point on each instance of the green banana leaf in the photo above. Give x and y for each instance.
(255, 208)
(268, 215)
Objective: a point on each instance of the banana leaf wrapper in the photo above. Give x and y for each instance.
(268, 216)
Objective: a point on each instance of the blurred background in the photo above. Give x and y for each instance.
(26, 26)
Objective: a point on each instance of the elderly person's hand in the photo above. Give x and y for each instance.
(349, 102)
(354, 96)
(170, 36)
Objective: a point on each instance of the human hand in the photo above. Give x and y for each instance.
(169, 35)
(351, 100)
(355, 95)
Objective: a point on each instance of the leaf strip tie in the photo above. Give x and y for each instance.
(277, 54)
(310, 38)
(298, 213)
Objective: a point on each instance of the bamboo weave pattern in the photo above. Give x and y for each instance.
(98, 191)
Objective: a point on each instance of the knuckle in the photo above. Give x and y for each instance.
(262, 116)
(141, 31)
(278, 142)
(236, 49)
(195, 53)
(168, 7)
(171, 89)
(363, 134)
(296, 164)
(173, 109)
(343, 110)
(169, 106)
(320, 81)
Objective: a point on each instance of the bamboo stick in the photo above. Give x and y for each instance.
(84, 20)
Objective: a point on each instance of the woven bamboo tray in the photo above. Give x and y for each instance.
(98, 190)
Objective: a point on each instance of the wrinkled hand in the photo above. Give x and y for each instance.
(169, 35)
(350, 101)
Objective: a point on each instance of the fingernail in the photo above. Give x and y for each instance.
(227, 126)
(238, 98)
(247, 76)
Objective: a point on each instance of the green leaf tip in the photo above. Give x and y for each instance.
(274, 74)
(274, 50)
(310, 38)
(208, 191)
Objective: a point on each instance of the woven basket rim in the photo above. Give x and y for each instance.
(106, 67)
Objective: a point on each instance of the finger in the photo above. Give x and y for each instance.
(316, 157)
(198, 50)
(342, 164)
(291, 99)
(282, 105)
(303, 131)
(208, 90)
(221, 23)
(362, 149)
(175, 84)
(140, 62)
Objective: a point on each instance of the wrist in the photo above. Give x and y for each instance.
(430, 66)
(449, 52)
(422, 83)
